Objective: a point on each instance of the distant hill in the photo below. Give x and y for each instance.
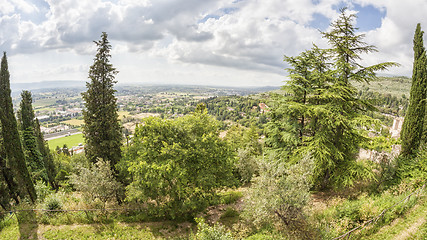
(18, 87)
(37, 86)
(396, 86)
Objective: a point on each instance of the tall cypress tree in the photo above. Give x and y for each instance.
(102, 128)
(8, 187)
(12, 143)
(43, 148)
(33, 156)
(414, 120)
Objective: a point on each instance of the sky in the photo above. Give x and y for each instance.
(202, 42)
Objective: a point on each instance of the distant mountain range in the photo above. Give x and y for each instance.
(18, 87)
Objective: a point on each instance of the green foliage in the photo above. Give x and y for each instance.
(96, 182)
(102, 128)
(215, 232)
(279, 193)
(321, 115)
(34, 158)
(414, 168)
(11, 140)
(412, 128)
(229, 197)
(245, 141)
(42, 190)
(43, 148)
(52, 202)
(229, 213)
(241, 110)
(178, 164)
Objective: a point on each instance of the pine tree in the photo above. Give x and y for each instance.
(12, 143)
(34, 158)
(412, 128)
(102, 128)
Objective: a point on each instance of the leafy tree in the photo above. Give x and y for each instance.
(102, 128)
(178, 164)
(412, 128)
(11, 139)
(34, 158)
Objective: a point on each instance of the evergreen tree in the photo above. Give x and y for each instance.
(33, 156)
(8, 187)
(43, 148)
(102, 128)
(412, 128)
(321, 114)
(11, 139)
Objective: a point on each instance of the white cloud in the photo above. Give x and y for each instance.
(239, 38)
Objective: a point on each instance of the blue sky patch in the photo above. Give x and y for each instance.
(369, 17)
(320, 22)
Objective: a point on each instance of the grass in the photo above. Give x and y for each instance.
(74, 122)
(96, 231)
(410, 226)
(71, 141)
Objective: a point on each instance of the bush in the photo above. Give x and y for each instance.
(279, 195)
(53, 203)
(230, 197)
(42, 190)
(96, 182)
(229, 213)
(215, 232)
(246, 165)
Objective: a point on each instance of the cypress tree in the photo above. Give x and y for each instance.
(414, 120)
(43, 148)
(11, 139)
(33, 156)
(102, 128)
(8, 187)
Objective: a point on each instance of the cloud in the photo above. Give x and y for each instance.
(244, 35)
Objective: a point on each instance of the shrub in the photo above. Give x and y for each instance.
(215, 232)
(246, 165)
(53, 203)
(96, 182)
(279, 193)
(42, 190)
(230, 197)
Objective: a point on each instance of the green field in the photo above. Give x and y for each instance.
(71, 141)
(44, 102)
